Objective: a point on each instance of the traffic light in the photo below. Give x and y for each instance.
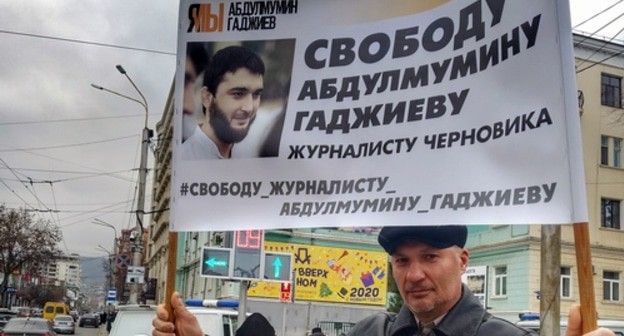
(216, 262)
(277, 266)
(248, 248)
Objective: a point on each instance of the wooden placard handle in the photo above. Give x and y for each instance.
(585, 276)
(172, 249)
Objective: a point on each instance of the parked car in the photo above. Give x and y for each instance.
(132, 320)
(99, 316)
(617, 326)
(31, 326)
(215, 321)
(137, 320)
(64, 324)
(5, 316)
(89, 320)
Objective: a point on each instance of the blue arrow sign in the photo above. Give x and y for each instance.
(277, 264)
(212, 262)
(277, 267)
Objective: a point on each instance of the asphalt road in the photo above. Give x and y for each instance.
(89, 331)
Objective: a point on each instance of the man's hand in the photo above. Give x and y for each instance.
(575, 324)
(185, 323)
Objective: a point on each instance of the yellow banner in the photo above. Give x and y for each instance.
(330, 274)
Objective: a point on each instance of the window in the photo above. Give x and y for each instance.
(500, 281)
(610, 213)
(611, 286)
(613, 145)
(617, 149)
(604, 150)
(611, 91)
(566, 282)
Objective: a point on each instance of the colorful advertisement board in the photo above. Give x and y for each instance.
(329, 274)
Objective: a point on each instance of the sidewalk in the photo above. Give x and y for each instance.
(102, 331)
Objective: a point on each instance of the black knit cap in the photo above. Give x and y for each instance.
(442, 236)
(255, 325)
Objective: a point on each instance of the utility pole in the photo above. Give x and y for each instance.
(137, 255)
(550, 274)
(137, 259)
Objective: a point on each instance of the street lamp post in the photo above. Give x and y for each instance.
(100, 222)
(111, 266)
(137, 258)
(112, 255)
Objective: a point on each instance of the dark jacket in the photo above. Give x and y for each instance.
(466, 318)
(256, 325)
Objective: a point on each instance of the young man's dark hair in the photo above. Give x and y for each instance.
(230, 59)
(198, 55)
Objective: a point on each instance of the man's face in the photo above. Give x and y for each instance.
(233, 108)
(428, 278)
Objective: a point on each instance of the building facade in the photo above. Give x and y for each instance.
(512, 253)
(156, 250)
(66, 270)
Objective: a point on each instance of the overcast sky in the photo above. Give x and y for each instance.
(80, 146)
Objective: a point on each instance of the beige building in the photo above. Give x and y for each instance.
(512, 254)
(65, 270)
(600, 69)
(158, 232)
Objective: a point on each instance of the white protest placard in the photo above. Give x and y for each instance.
(386, 113)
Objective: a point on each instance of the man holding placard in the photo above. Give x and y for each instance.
(427, 264)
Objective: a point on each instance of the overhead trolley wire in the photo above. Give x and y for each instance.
(87, 42)
(597, 14)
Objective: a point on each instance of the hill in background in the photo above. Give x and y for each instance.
(93, 274)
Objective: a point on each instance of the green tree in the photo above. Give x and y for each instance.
(26, 245)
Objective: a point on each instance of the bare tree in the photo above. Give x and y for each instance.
(40, 294)
(26, 245)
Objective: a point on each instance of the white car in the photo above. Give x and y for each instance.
(136, 320)
(617, 326)
(64, 324)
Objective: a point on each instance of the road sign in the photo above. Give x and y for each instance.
(111, 296)
(136, 274)
(216, 262)
(286, 292)
(248, 251)
(122, 261)
(277, 266)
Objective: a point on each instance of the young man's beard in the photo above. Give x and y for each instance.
(221, 126)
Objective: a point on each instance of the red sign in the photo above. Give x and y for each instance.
(285, 292)
(122, 261)
(249, 239)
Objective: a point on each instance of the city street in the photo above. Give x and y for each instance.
(352, 166)
(90, 331)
